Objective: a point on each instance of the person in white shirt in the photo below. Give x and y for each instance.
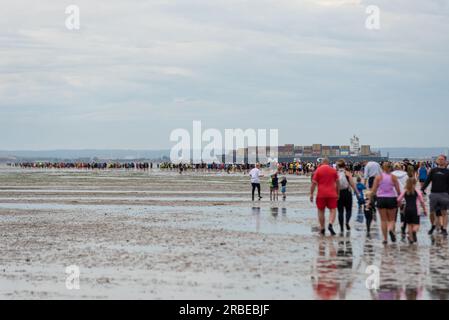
(401, 174)
(255, 175)
(372, 170)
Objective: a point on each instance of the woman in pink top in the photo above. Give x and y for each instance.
(386, 188)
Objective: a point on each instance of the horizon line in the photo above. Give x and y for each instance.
(166, 149)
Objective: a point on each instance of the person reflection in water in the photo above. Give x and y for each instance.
(256, 213)
(284, 212)
(324, 283)
(401, 275)
(438, 287)
(346, 263)
(333, 274)
(389, 286)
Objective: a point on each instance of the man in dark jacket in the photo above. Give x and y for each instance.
(439, 197)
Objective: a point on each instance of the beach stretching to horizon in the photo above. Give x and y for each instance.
(159, 234)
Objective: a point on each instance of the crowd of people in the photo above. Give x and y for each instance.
(83, 165)
(391, 189)
(205, 167)
(306, 168)
(286, 168)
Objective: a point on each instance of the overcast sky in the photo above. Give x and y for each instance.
(137, 69)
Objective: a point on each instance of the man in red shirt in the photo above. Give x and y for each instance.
(326, 179)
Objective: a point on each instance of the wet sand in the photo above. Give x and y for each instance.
(160, 235)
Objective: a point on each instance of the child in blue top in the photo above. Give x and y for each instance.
(284, 187)
(361, 200)
(423, 173)
(361, 188)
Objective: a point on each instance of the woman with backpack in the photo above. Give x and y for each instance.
(346, 183)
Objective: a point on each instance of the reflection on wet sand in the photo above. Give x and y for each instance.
(274, 213)
(345, 255)
(163, 244)
(332, 274)
(406, 272)
(406, 275)
(438, 271)
(391, 274)
(256, 213)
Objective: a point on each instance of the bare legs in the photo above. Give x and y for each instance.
(412, 231)
(438, 221)
(321, 219)
(384, 223)
(443, 219)
(388, 221)
(332, 216)
(274, 194)
(391, 216)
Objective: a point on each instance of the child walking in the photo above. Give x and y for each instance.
(274, 187)
(284, 188)
(361, 189)
(368, 210)
(412, 199)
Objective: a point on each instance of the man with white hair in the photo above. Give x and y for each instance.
(255, 175)
(372, 170)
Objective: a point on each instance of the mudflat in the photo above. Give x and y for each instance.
(161, 235)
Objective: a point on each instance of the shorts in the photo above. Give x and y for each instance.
(283, 189)
(323, 203)
(387, 203)
(411, 217)
(439, 201)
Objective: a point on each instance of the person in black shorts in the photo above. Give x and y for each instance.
(411, 214)
(439, 197)
(386, 188)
